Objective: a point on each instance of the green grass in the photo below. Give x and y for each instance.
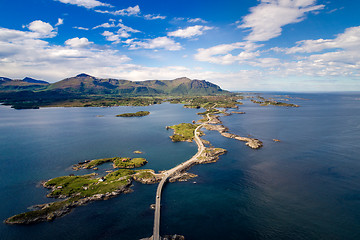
(145, 174)
(55, 206)
(97, 162)
(88, 185)
(273, 102)
(183, 132)
(118, 162)
(137, 114)
(129, 163)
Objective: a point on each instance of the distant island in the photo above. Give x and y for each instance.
(137, 114)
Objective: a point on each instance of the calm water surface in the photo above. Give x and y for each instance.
(305, 187)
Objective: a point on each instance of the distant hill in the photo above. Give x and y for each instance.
(31, 80)
(7, 84)
(87, 91)
(86, 84)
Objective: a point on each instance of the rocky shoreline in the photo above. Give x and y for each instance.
(214, 125)
(45, 213)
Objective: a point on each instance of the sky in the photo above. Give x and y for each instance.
(243, 45)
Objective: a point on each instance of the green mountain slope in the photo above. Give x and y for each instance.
(86, 84)
(7, 84)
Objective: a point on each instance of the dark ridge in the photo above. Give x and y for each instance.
(31, 80)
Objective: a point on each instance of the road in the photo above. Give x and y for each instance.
(169, 173)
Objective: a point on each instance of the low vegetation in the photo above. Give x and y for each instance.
(266, 102)
(128, 162)
(118, 162)
(137, 114)
(208, 102)
(183, 132)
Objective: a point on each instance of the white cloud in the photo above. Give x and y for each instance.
(335, 57)
(189, 32)
(156, 43)
(115, 37)
(349, 40)
(105, 25)
(196, 20)
(221, 54)
(267, 19)
(81, 28)
(60, 22)
(85, 3)
(154, 17)
(78, 42)
(130, 11)
(123, 32)
(42, 29)
(120, 25)
(22, 52)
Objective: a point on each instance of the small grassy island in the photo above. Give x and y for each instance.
(266, 102)
(137, 114)
(183, 132)
(118, 162)
(79, 190)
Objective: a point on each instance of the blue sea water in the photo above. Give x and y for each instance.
(305, 187)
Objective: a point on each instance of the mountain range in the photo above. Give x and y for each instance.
(85, 84)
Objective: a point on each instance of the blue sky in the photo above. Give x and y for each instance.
(283, 45)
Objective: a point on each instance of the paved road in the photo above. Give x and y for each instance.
(167, 174)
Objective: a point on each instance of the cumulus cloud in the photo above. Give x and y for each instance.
(189, 32)
(60, 22)
(115, 37)
(130, 11)
(78, 42)
(42, 29)
(266, 20)
(221, 54)
(85, 3)
(156, 43)
(154, 17)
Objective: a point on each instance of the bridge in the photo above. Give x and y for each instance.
(169, 173)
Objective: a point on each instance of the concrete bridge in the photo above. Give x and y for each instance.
(171, 172)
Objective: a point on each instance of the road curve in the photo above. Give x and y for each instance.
(169, 173)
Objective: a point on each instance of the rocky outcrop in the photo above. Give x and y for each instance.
(173, 237)
(50, 211)
(214, 120)
(148, 177)
(219, 128)
(251, 142)
(210, 155)
(182, 177)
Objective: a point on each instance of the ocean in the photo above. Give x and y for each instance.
(307, 186)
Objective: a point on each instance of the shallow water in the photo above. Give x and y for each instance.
(305, 187)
